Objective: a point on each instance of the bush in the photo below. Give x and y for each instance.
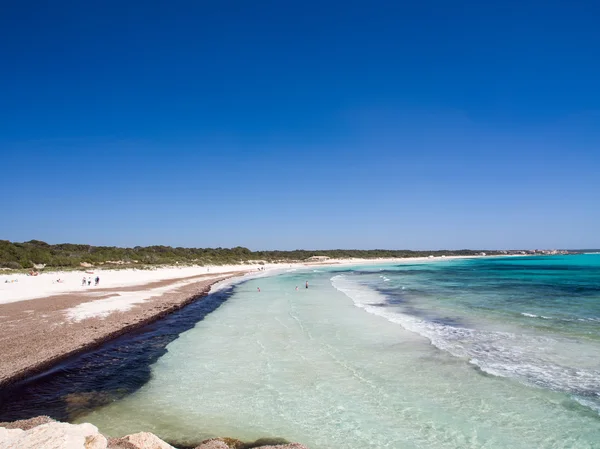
(13, 265)
(26, 263)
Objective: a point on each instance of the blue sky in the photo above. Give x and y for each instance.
(283, 125)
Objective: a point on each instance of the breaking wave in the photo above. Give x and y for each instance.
(532, 359)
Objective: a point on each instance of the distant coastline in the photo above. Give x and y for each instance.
(36, 255)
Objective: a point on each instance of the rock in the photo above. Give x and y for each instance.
(55, 435)
(222, 443)
(44, 432)
(267, 442)
(8, 436)
(285, 446)
(213, 443)
(79, 403)
(142, 440)
(263, 443)
(118, 443)
(233, 443)
(26, 424)
(97, 441)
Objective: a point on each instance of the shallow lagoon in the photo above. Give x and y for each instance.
(309, 366)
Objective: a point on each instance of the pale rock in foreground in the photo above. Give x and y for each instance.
(142, 440)
(7, 436)
(26, 424)
(42, 432)
(53, 435)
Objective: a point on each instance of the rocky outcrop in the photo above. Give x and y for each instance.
(119, 443)
(222, 443)
(26, 424)
(9, 435)
(231, 443)
(142, 440)
(213, 443)
(44, 432)
(53, 435)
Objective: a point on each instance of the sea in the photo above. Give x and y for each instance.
(488, 352)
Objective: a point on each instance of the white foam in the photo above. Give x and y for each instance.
(533, 359)
(587, 403)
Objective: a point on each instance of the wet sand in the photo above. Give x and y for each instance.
(36, 334)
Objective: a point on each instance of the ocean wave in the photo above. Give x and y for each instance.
(571, 320)
(531, 315)
(587, 403)
(529, 358)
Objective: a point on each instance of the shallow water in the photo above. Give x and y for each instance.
(309, 365)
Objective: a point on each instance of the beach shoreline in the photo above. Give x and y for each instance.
(141, 304)
(43, 322)
(37, 334)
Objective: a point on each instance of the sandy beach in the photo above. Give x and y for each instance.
(43, 321)
(37, 332)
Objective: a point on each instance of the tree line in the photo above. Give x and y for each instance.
(35, 252)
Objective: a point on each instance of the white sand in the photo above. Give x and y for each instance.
(21, 287)
(120, 302)
(30, 287)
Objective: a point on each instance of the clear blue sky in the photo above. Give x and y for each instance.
(283, 124)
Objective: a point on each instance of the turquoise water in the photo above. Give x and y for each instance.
(480, 353)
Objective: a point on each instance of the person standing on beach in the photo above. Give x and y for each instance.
(83, 281)
(97, 280)
(306, 284)
(258, 289)
(90, 280)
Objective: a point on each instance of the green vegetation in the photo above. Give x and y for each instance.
(25, 255)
